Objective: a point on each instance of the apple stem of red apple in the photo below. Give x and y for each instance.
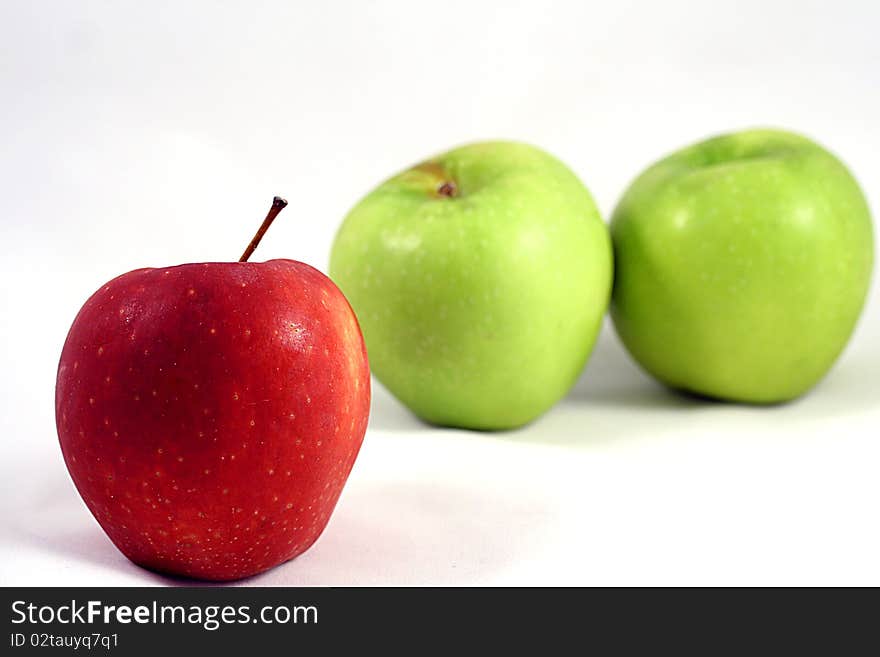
(278, 204)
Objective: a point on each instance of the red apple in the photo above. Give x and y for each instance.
(209, 414)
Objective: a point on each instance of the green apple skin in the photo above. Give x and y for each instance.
(480, 278)
(741, 266)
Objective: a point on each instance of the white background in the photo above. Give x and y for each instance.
(155, 133)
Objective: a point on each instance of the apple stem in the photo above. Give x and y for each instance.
(278, 204)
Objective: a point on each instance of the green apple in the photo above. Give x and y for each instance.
(741, 265)
(480, 278)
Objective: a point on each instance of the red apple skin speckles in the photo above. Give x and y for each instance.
(209, 414)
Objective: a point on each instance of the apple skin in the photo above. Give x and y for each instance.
(480, 308)
(741, 266)
(209, 414)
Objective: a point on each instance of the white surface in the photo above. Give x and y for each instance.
(138, 134)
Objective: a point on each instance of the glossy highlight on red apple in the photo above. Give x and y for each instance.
(210, 414)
